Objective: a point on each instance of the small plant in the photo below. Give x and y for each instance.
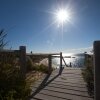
(43, 68)
(2, 37)
(30, 65)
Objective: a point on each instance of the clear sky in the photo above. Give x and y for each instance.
(32, 23)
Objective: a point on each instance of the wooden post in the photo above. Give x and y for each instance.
(49, 63)
(22, 60)
(64, 62)
(60, 70)
(97, 70)
(60, 59)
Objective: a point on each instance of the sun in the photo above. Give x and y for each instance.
(62, 15)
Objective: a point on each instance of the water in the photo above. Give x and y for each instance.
(75, 60)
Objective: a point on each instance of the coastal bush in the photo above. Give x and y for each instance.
(12, 85)
(88, 74)
(37, 67)
(43, 68)
(30, 65)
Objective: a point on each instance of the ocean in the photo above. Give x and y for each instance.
(73, 60)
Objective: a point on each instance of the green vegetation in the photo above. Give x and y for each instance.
(42, 68)
(36, 67)
(12, 85)
(88, 74)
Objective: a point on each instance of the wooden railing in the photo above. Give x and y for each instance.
(21, 54)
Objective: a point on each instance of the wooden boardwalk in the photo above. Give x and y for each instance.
(67, 86)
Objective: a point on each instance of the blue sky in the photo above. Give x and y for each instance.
(31, 23)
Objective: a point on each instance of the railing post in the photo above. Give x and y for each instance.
(22, 50)
(64, 62)
(60, 70)
(50, 63)
(97, 70)
(60, 59)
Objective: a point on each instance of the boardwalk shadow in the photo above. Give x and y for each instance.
(45, 82)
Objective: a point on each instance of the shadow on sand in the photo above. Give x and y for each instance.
(45, 82)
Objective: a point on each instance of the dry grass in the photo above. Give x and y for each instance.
(33, 76)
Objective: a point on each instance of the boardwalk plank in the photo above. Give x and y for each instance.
(67, 86)
(63, 95)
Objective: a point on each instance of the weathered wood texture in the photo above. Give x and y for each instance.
(97, 70)
(22, 54)
(67, 86)
(50, 63)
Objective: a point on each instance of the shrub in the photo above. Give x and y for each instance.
(42, 68)
(12, 85)
(30, 65)
(88, 74)
(36, 66)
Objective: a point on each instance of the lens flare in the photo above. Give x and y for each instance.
(62, 15)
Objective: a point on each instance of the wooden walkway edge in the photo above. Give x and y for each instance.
(67, 86)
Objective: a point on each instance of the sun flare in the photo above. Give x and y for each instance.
(62, 15)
